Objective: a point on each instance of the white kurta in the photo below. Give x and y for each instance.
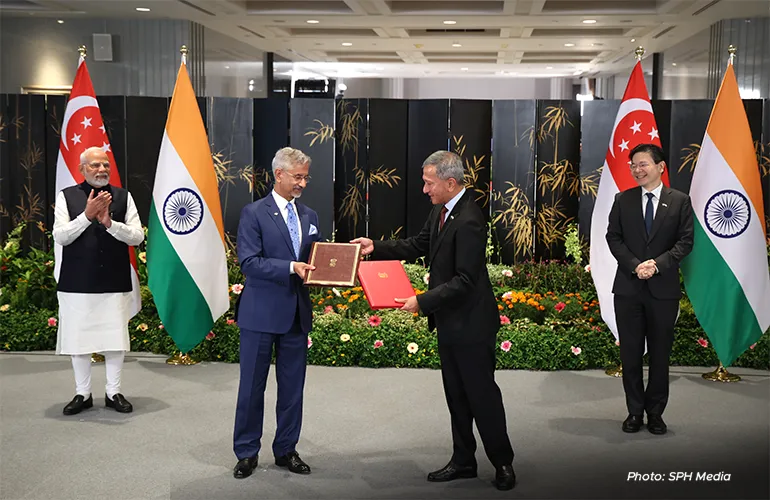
(94, 322)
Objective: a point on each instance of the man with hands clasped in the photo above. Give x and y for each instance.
(650, 232)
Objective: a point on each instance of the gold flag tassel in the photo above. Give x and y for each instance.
(97, 358)
(181, 359)
(616, 371)
(721, 375)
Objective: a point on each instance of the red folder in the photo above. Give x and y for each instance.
(383, 281)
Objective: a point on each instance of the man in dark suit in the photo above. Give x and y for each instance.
(650, 232)
(274, 239)
(461, 306)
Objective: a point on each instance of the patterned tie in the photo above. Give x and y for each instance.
(441, 218)
(649, 213)
(293, 228)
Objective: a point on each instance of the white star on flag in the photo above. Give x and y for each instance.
(75, 139)
(624, 145)
(105, 147)
(636, 127)
(86, 122)
(102, 129)
(654, 134)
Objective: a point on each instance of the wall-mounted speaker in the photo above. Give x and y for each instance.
(102, 47)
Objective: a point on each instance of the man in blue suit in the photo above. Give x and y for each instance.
(274, 239)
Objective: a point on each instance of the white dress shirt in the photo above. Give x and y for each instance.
(655, 200)
(283, 207)
(451, 204)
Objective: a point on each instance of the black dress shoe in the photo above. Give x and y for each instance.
(293, 462)
(78, 404)
(505, 478)
(245, 467)
(633, 423)
(452, 471)
(656, 425)
(118, 402)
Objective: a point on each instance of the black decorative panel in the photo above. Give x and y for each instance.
(688, 127)
(312, 131)
(428, 128)
(113, 109)
(595, 130)
(24, 169)
(6, 198)
(55, 105)
(229, 132)
(470, 129)
(513, 178)
(271, 133)
(145, 125)
(351, 169)
(557, 175)
(388, 163)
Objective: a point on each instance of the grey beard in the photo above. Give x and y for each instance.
(99, 183)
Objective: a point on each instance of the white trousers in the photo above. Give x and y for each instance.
(81, 364)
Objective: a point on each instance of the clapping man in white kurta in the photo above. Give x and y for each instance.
(95, 223)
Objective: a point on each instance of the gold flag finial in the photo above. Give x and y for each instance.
(639, 52)
(184, 50)
(732, 50)
(82, 51)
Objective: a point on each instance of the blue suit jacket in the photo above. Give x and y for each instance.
(272, 295)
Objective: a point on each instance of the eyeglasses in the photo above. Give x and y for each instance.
(300, 177)
(642, 165)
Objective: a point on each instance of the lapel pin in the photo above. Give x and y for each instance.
(275, 213)
(665, 205)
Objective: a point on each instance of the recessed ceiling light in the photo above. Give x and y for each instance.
(60, 21)
(463, 69)
(673, 64)
(143, 9)
(346, 44)
(312, 21)
(456, 45)
(549, 67)
(450, 22)
(569, 44)
(227, 67)
(633, 39)
(589, 21)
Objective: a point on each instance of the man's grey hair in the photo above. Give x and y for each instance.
(289, 158)
(448, 166)
(84, 154)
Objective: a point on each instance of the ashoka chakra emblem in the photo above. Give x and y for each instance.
(183, 211)
(727, 214)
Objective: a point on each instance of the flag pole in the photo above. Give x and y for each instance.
(182, 358)
(721, 374)
(617, 371)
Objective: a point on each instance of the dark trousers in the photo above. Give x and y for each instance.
(290, 364)
(643, 317)
(468, 372)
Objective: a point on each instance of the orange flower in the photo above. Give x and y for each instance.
(510, 306)
(585, 308)
(499, 307)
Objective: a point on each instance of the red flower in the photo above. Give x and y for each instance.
(703, 342)
(328, 309)
(506, 345)
(230, 321)
(375, 320)
(378, 344)
(51, 321)
(560, 306)
(505, 320)
(752, 346)
(210, 335)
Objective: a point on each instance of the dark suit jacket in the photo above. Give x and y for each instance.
(460, 303)
(271, 295)
(670, 241)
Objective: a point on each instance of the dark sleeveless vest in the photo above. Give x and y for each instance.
(95, 262)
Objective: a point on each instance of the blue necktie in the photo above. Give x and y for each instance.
(649, 213)
(293, 228)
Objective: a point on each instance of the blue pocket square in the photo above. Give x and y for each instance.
(313, 230)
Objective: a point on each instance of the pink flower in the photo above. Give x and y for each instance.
(507, 295)
(309, 342)
(703, 342)
(507, 273)
(505, 320)
(328, 309)
(378, 344)
(230, 321)
(52, 321)
(752, 346)
(375, 320)
(237, 288)
(210, 335)
(588, 268)
(161, 327)
(617, 342)
(506, 345)
(560, 306)
(576, 350)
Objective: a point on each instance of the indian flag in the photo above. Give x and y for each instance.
(726, 275)
(185, 241)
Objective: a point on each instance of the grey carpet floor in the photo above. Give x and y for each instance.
(370, 434)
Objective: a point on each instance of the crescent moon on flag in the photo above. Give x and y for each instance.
(73, 106)
(626, 108)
